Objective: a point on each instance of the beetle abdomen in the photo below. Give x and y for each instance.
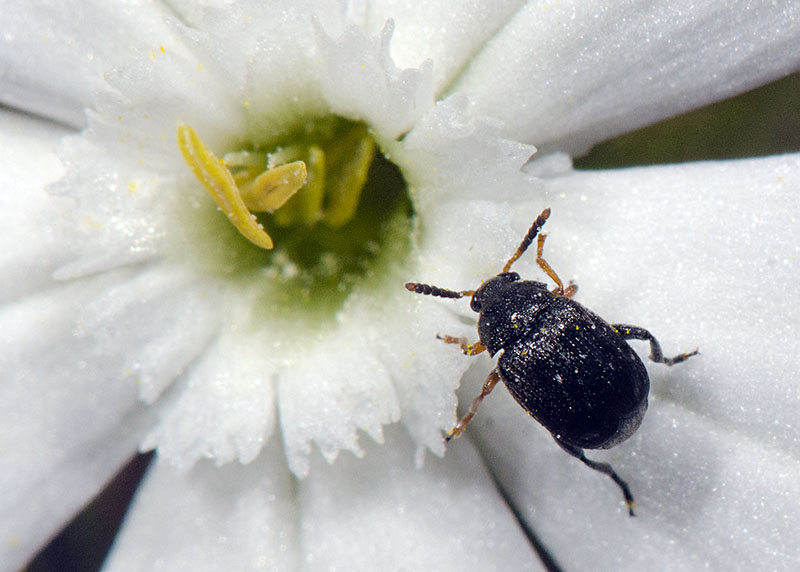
(577, 377)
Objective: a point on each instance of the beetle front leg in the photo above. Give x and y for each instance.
(604, 468)
(488, 386)
(466, 347)
(637, 333)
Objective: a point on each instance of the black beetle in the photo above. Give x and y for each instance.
(567, 367)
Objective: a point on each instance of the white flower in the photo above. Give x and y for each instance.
(134, 314)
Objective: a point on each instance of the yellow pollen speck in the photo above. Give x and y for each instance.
(200, 67)
(131, 187)
(266, 192)
(163, 51)
(92, 223)
(246, 103)
(577, 327)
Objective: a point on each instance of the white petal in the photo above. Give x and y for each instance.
(332, 385)
(423, 371)
(157, 318)
(566, 75)
(236, 517)
(379, 513)
(359, 80)
(67, 423)
(452, 154)
(32, 244)
(702, 255)
(54, 55)
(445, 31)
(227, 410)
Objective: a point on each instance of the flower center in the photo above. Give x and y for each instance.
(319, 208)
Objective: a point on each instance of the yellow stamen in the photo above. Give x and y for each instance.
(271, 189)
(267, 192)
(345, 188)
(306, 207)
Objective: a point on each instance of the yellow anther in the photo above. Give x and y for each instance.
(267, 192)
(271, 189)
(350, 164)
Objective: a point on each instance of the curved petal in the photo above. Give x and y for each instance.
(54, 55)
(702, 255)
(333, 385)
(380, 513)
(66, 423)
(235, 517)
(227, 409)
(359, 80)
(453, 155)
(32, 242)
(448, 32)
(565, 75)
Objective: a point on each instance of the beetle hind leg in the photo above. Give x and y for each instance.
(604, 468)
(656, 355)
(488, 386)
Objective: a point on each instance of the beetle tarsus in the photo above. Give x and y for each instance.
(636, 333)
(604, 468)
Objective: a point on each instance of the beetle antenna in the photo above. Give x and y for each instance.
(526, 242)
(428, 290)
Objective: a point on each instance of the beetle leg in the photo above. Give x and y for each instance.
(488, 386)
(466, 347)
(559, 289)
(604, 468)
(636, 333)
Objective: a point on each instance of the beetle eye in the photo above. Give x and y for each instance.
(475, 304)
(509, 276)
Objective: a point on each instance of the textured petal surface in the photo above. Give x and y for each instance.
(359, 80)
(66, 423)
(32, 241)
(566, 75)
(326, 393)
(226, 410)
(452, 154)
(380, 513)
(702, 255)
(236, 517)
(53, 55)
(447, 32)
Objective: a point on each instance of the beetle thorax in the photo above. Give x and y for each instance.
(508, 309)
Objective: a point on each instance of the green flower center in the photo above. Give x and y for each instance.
(310, 214)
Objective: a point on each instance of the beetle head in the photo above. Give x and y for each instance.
(491, 289)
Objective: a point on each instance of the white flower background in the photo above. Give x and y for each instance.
(112, 339)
